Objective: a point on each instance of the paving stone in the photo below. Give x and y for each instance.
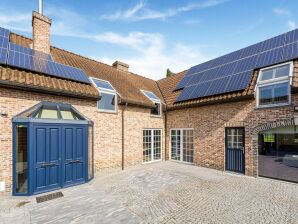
(165, 192)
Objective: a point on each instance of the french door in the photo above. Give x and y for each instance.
(182, 145)
(151, 145)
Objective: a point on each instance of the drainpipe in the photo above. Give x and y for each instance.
(166, 131)
(122, 162)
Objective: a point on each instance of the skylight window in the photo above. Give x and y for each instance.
(101, 84)
(150, 95)
(273, 85)
(156, 111)
(108, 101)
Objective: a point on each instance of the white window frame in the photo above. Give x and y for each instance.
(181, 145)
(274, 81)
(106, 91)
(152, 145)
(154, 101)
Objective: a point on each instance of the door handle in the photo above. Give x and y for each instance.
(75, 161)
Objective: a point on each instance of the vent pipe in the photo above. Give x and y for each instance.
(40, 7)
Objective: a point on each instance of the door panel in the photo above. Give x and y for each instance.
(40, 152)
(54, 157)
(74, 147)
(235, 160)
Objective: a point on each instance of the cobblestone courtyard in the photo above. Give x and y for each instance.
(164, 192)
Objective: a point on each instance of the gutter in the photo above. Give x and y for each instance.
(40, 89)
(122, 127)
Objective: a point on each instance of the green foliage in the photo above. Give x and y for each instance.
(169, 73)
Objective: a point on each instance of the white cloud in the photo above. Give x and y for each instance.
(15, 20)
(150, 54)
(141, 12)
(292, 25)
(281, 12)
(153, 56)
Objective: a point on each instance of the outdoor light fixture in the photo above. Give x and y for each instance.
(4, 113)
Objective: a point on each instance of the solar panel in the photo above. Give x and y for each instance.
(236, 68)
(290, 51)
(4, 39)
(187, 91)
(32, 60)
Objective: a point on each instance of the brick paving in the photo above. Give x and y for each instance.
(164, 192)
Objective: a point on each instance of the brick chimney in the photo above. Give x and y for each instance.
(41, 31)
(121, 66)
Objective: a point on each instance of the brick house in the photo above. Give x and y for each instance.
(65, 117)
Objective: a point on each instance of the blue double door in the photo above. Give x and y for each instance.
(59, 157)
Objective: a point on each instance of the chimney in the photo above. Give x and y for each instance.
(41, 30)
(121, 66)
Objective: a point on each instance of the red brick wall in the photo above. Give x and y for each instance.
(107, 129)
(209, 124)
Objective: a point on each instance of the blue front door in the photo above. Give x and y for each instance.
(47, 157)
(74, 140)
(59, 156)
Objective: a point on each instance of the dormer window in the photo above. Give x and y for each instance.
(156, 111)
(273, 86)
(108, 100)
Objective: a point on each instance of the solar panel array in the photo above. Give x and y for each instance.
(32, 60)
(26, 58)
(233, 72)
(4, 39)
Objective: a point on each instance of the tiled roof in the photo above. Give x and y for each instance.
(10, 77)
(127, 84)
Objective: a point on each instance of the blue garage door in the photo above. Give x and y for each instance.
(59, 156)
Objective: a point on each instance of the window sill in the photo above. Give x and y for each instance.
(107, 111)
(273, 106)
(155, 116)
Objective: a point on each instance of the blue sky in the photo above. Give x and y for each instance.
(153, 35)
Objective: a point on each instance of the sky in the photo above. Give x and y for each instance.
(153, 35)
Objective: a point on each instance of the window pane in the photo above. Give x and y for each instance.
(282, 71)
(267, 75)
(281, 93)
(21, 160)
(156, 109)
(49, 114)
(107, 102)
(151, 95)
(68, 115)
(102, 84)
(265, 95)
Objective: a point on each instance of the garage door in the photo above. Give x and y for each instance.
(59, 157)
